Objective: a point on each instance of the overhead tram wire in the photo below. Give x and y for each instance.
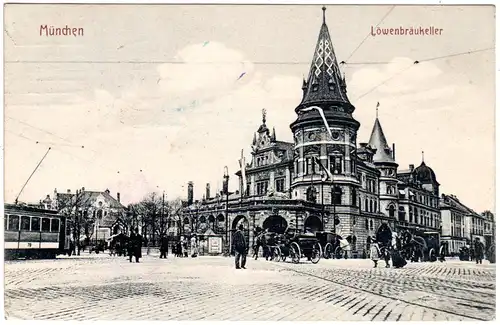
(70, 143)
(368, 35)
(420, 61)
(234, 62)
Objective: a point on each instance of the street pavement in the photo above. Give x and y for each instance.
(101, 287)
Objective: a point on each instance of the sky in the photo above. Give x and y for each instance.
(152, 96)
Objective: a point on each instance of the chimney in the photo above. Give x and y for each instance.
(412, 167)
(69, 191)
(207, 192)
(394, 151)
(118, 197)
(190, 193)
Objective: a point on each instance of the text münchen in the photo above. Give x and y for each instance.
(60, 31)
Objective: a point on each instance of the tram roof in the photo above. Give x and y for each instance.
(21, 208)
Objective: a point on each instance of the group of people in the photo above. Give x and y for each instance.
(181, 249)
(387, 253)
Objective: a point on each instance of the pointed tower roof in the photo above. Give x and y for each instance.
(379, 142)
(325, 82)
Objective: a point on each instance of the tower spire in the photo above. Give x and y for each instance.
(423, 160)
(379, 142)
(325, 83)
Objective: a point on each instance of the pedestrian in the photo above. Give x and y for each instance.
(374, 252)
(478, 251)
(130, 245)
(240, 248)
(137, 246)
(194, 246)
(185, 247)
(163, 246)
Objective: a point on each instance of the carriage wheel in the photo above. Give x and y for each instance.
(316, 253)
(277, 254)
(432, 255)
(328, 253)
(338, 252)
(295, 253)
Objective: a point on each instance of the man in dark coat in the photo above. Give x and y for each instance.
(163, 247)
(478, 251)
(137, 246)
(130, 245)
(240, 248)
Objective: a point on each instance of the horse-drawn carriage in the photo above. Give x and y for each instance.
(292, 244)
(118, 245)
(332, 245)
(422, 246)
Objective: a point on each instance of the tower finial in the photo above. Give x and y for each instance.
(324, 15)
(378, 104)
(263, 116)
(423, 160)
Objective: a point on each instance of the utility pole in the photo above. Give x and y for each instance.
(162, 224)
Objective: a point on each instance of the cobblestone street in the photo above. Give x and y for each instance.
(209, 288)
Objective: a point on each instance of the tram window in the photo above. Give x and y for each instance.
(54, 227)
(35, 224)
(14, 223)
(45, 224)
(6, 222)
(25, 223)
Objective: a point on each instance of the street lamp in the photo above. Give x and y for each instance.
(225, 188)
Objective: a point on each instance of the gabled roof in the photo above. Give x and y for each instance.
(89, 197)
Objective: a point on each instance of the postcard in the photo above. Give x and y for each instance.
(249, 162)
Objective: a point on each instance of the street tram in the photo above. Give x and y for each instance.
(33, 233)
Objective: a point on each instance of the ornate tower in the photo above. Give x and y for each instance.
(384, 161)
(325, 90)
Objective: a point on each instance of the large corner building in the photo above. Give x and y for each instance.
(283, 185)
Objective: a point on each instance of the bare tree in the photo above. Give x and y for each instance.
(76, 208)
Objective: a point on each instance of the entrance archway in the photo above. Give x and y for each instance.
(276, 224)
(313, 224)
(384, 234)
(241, 220)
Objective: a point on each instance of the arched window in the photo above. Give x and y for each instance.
(366, 204)
(371, 224)
(392, 209)
(311, 194)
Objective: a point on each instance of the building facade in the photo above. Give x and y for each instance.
(106, 211)
(286, 184)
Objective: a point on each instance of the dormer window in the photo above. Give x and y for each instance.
(331, 84)
(315, 86)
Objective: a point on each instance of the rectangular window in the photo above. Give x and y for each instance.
(35, 224)
(280, 185)
(14, 223)
(46, 224)
(25, 223)
(54, 225)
